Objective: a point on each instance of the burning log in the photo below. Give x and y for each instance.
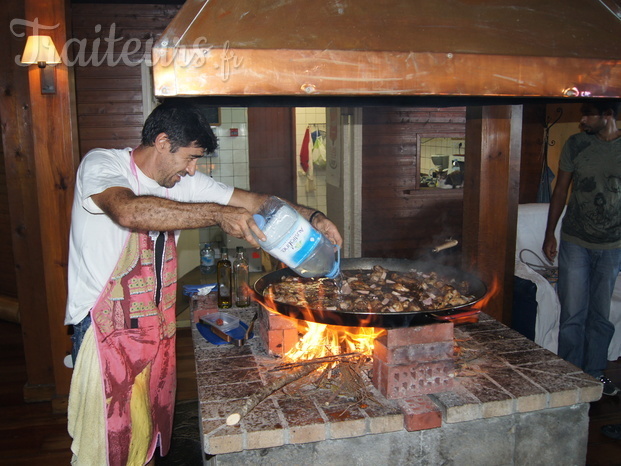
(267, 390)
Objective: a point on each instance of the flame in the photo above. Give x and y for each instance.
(267, 301)
(493, 291)
(320, 340)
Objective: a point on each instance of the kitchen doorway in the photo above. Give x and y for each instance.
(310, 156)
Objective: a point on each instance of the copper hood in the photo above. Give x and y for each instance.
(552, 48)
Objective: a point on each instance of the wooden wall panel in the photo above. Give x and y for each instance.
(271, 145)
(109, 81)
(397, 219)
(491, 191)
(55, 161)
(8, 283)
(16, 113)
(531, 162)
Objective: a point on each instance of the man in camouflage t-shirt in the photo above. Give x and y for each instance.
(590, 246)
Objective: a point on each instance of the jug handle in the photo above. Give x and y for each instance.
(338, 256)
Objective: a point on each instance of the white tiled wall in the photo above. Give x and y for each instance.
(230, 165)
(311, 186)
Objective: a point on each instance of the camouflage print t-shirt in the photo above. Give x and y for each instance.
(593, 217)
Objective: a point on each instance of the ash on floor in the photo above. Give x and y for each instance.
(185, 447)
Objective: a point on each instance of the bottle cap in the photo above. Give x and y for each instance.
(259, 220)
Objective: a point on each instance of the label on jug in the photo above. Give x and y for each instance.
(298, 245)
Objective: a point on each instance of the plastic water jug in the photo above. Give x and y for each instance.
(294, 241)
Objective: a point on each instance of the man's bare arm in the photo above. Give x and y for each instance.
(156, 213)
(557, 204)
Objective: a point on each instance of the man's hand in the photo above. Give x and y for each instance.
(238, 222)
(329, 229)
(550, 248)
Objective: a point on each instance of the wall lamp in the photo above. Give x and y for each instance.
(40, 50)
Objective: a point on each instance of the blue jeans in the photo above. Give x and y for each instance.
(78, 335)
(585, 284)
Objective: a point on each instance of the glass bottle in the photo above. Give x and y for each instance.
(224, 280)
(241, 274)
(208, 259)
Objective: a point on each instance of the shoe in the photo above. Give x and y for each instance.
(612, 431)
(610, 388)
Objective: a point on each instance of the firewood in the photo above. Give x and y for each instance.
(322, 360)
(266, 391)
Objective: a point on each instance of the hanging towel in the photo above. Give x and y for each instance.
(319, 151)
(304, 151)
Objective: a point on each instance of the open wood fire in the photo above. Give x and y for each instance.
(320, 340)
(345, 362)
(349, 361)
(327, 357)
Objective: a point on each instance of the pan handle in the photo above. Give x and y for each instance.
(465, 317)
(450, 243)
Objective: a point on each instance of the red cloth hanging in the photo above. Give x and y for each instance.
(304, 151)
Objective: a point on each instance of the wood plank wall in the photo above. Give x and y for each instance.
(398, 220)
(271, 141)
(8, 283)
(531, 162)
(111, 40)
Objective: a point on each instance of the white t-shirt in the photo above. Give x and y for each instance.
(96, 242)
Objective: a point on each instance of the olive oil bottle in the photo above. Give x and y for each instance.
(224, 271)
(242, 290)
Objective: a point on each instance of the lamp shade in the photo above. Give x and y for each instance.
(40, 49)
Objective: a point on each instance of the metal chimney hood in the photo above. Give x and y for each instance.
(530, 48)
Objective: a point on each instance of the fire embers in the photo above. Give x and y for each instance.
(379, 290)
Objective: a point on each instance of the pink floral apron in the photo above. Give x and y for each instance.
(135, 328)
(137, 337)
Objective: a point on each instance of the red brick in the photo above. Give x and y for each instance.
(203, 305)
(263, 318)
(413, 353)
(420, 413)
(404, 381)
(275, 321)
(395, 337)
(377, 374)
(290, 339)
(275, 341)
(280, 341)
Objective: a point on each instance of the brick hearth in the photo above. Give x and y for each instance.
(498, 376)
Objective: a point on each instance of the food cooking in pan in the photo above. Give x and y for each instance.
(377, 290)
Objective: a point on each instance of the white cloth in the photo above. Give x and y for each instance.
(614, 349)
(86, 420)
(548, 307)
(531, 228)
(96, 242)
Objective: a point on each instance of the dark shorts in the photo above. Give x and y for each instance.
(78, 335)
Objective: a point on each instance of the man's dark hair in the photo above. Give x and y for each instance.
(184, 124)
(603, 105)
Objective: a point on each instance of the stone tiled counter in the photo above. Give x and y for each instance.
(511, 402)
